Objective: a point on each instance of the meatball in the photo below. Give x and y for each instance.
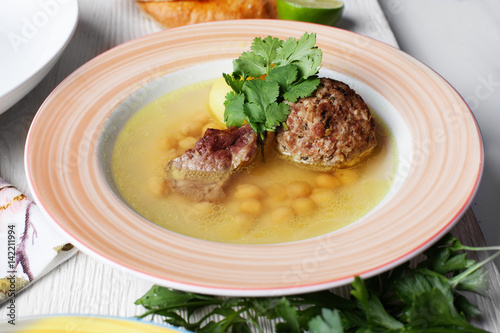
(333, 128)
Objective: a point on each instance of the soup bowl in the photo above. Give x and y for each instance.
(438, 144)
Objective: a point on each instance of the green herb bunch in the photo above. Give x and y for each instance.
(289, 70)
(425, 298)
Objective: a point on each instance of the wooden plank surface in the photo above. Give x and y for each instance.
(84, 285)
(469, 233)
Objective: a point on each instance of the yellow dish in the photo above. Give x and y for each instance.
(83, 324)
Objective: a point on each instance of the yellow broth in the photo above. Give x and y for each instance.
(269, 202)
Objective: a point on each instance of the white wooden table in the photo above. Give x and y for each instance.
(84, 285)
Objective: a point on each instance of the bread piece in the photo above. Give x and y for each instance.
(175, 13)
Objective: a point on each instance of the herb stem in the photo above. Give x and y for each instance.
(177, 306)
(486, 248)
(456, 279)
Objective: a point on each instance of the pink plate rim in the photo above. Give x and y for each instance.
(443, 169)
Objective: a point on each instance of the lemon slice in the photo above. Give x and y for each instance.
(327, 12)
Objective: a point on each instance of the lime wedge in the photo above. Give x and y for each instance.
(327, 12)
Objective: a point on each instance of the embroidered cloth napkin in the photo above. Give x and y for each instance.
(29, 246)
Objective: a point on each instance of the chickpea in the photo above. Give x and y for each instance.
(244, 218)
(321, 196)
(282, 214)
(187, 143)
(347, 176)
(249, 191)
(326, 180)
(177, 136)
(244, 221)
(277, 191)
(299, 189)
(202, 116)
(158, 187)
(191, 128)
(252, 206)
(302, 206)
(203, 209)
(167, 143)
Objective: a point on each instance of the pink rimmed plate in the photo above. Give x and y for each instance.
(440, 160)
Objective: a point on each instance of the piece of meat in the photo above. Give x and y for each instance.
(240, 142)
(333, 128)
(202, 172)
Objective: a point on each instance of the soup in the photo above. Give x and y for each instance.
(271, 201)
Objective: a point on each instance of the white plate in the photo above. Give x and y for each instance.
(33, 35)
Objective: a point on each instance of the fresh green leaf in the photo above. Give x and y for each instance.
(290, 88)
(477, 282)
(455, 263)
(432, 309)
(302, 53)
(406, 300)
(289, 68)
(289, 315)
(284, 76)
(467, 308)
(261, 93)
(326, 299)
(276, 114)
(231, 317)
(372, 307)
(444, 259)
(235, 82)
(159, 297)
(266, 48)
(265, 307)
(241, 328)
(262, 111)
(234, 112)
(328, 322)
(301, 89)
(175, 319)
(473, 279)
(409, 285)
(250, 64)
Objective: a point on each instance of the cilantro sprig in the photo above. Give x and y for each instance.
(288, 69)
(425, 298)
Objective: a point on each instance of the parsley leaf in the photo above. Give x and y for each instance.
(234, 114)
(259, 95)
(291, 88)
(249, 64)
(235, 82)
(372, 307)
(289, 70)
(301, 53)
(328, 322)
(289, 315)
(266, 48)
(407, 299)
